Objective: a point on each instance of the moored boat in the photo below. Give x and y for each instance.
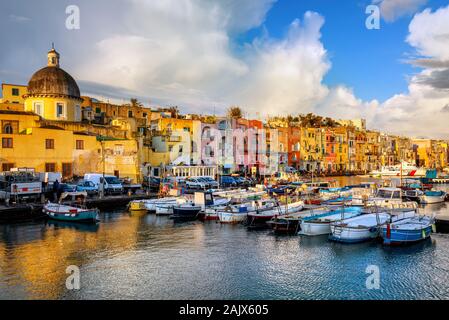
(433, 197)
(407, 230)
(320, 224)
(185, 212)
(259, 218)
(69, 213)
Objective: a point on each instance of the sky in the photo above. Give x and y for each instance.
(268, 57)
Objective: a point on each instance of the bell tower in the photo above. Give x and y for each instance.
(53, 57)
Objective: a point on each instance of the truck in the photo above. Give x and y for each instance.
(112, 185)
(19, 186)
(129, 187)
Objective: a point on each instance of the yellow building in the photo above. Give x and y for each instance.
(50, 137)
(13, 94)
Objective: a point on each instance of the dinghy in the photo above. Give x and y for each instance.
(433, 197)
(408, 230)
(71, 213)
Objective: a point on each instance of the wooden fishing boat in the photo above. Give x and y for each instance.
(320, 224)
(185, 212)
(408, 230)
(259, 218)
(433, 197)
(71, 213)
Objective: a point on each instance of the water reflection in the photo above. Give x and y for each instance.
(138, 256)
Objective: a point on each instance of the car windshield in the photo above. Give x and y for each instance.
(112, 180)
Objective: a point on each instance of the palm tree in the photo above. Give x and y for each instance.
(135, 103)
(234, 112)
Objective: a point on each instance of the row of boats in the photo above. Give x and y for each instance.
(384, 214)
(349, 214)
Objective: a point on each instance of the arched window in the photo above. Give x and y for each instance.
(7, 129)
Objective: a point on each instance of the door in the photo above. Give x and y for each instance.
(67, 171)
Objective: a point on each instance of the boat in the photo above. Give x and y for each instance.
(408, 230)
(259, 218)
(366, 226)
(233, 214)
(136, 206)
(209, 202)
(412, 195)
(342, 200)
(404, 169)
(151, 204)
(435, 196)
(185, 212)
(320, 224)
(361, 195)
(386, 197)
(79, 213)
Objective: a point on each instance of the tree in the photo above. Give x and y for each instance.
(135, 103)
(234, 112)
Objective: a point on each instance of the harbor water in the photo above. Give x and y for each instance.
(143, 256)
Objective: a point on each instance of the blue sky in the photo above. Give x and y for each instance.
(206, 55)
(369, 61)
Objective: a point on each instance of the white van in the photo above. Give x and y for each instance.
(112, 184)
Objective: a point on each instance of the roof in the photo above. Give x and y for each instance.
(53, 81)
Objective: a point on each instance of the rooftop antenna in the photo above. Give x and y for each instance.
(53, 45)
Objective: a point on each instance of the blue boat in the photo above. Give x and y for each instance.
(407, 230)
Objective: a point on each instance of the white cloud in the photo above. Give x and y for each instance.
(394, 9)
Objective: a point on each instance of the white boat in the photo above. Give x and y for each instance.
(407, 169)
(262, 216)
(166, 208)
(366, 226)
(386, 198)
(238, 213)
(320, 224)
(432, 197)
(361, 195)
(151, 204)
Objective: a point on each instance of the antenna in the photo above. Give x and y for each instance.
(53, 45)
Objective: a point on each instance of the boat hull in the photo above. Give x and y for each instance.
(315, 228)
(84, 216)
(352, 235)
(232, 217)
(185, 213)
(398, 237)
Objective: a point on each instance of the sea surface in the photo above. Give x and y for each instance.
(128, 256)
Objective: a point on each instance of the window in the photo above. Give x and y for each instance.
(119, 150)
(50, 167)
(180, 149)
(15, 91)
(49, 143)
(98, 110)
(7, 143)
(77, 113)
(79, 144)
(144, 114)
(186, 129)
(170, 148)
(7, 166)
(7, 129)
(67, 170)
(60, 110)
(130, 114)
(38, 108)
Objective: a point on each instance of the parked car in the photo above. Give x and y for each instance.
(242, 182)
(88, 186)
(151, 183)
(227, 182)
(211, 183)
(112, 184)
(196, 183)
(65, 187)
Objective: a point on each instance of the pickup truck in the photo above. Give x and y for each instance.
(130, 187)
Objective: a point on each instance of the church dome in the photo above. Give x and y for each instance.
(53, 81)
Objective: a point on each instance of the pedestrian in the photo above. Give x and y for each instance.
(55, 190)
